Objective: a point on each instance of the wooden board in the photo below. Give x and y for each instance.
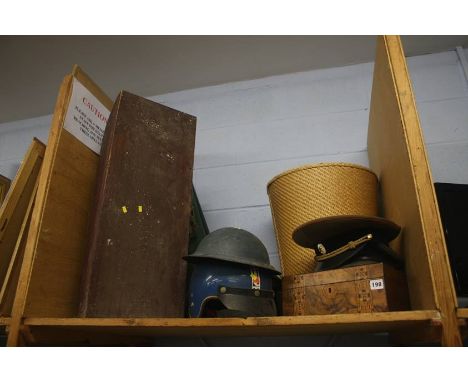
(4, 187)
(4, 321)
(15, 207)
(56, 246)
(83, 330)
(140, 226)
(398, 156)
(462, 312)
(10, 282)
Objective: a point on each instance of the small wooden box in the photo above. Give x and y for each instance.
(361, 289)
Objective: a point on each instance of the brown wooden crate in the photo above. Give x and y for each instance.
(346, 290)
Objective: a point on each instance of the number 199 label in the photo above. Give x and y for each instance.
(376, 284)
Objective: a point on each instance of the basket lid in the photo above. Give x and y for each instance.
(330, 229)
(319, 165)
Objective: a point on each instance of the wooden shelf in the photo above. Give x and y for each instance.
(462, 313)
(49, 285)
(86, 329)
(4, 321)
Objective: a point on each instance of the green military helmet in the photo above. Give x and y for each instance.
(233, 245)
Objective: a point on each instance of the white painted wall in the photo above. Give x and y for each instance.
(248, 132)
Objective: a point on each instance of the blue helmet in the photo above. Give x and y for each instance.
(222, 289)
(231, 277)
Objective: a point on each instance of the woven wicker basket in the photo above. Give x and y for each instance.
(311, 192)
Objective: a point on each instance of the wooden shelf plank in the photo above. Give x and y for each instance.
(39, 329)
(4, 321)
(50, 285)
(398, 156)
(462, 313)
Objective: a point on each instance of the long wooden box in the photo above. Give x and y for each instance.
(360, 289)
(140, 228)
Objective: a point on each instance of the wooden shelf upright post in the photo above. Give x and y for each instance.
(398, 156)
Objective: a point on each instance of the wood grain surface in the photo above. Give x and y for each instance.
(83, 330)
(397, 154)
(13, 215)
(10, 282)
(140, 228)
(4, 187)
(346, 290)
(49, 282)
(462, 312)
